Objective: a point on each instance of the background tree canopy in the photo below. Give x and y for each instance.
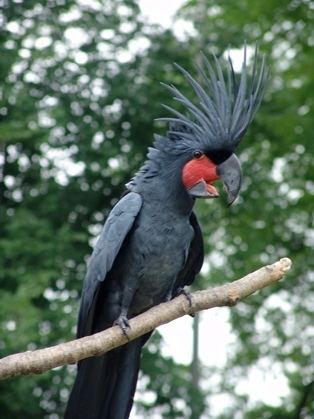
(78, 97)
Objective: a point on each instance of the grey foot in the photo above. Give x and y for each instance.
(123, 323)
(187, 295)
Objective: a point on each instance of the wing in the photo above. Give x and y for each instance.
(114, 232)
(195, 257)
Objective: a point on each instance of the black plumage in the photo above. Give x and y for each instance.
(151, 245)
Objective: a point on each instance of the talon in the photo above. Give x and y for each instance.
(188, 295)
(123, 323)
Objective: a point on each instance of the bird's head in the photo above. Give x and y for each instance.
(207, 134)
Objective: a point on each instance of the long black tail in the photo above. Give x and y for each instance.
(105, 385)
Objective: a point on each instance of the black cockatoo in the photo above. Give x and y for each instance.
(151, 245)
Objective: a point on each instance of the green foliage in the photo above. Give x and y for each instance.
(169, 384)
(76, 116)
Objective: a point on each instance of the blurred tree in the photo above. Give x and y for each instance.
(80, 89)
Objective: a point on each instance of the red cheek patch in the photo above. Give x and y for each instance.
(199, 169)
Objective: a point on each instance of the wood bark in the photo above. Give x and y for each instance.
(38, 361)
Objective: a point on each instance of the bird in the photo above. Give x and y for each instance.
(151, 245)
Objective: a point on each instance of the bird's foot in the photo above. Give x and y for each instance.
(187, 295)
(123, 323)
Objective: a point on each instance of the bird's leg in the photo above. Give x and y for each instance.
(179, 291)
(123, 322)
(187, 295)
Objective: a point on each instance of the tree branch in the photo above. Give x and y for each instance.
(38, 361)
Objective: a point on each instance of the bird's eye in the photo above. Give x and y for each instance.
(198, 154)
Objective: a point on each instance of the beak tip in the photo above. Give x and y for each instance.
(231, 199)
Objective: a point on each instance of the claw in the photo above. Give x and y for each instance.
(188, 295)
(123, 323)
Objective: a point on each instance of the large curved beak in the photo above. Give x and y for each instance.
(231, 175)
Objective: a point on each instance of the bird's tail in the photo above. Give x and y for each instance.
(105, 385)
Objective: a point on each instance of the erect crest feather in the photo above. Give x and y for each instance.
(227, 103)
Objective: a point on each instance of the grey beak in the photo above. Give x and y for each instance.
(230, 173)
(200, 190)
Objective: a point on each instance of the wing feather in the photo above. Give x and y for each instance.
(114, 232)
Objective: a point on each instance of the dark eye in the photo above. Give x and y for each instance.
(198, 154)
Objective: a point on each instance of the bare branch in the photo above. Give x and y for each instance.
(38, 361)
